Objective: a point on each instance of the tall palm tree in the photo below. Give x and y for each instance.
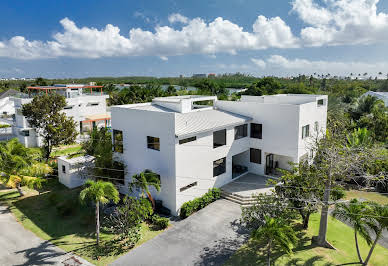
(379, 213)
(143, 181)
(99, 192)
(275, 232)
(353, 214)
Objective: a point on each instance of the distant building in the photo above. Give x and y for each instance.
(378, 94)
(6, 104)
(195, 147)
(199, 75)
(211, 75)
(85, 106)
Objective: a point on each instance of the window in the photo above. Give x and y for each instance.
(255, 156)
(256, 131)
(63, 169)
(153, 143)
(219, 167)
(305, 131)
(68, 107)
(320, 102)
(92, 104)
(241, 131)
(316, 126)
(188, 186)
(118, 141)
(183, 141)
(219, 138)
(25, 133)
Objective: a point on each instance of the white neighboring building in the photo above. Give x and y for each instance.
(88, 109)
(378, 94)
(6, 104)
(195, 147)
(72, 172)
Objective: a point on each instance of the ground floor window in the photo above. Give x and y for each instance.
(188, 186)
(118, 141)
(153, 143)
(255, 156)
(305, 131)
(219, 167)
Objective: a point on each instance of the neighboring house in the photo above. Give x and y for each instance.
(73, 172)
(194, 147)
(87, 107)
(6, 104)
(378, 94)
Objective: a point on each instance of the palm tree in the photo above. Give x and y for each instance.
(276, 232)
(353, 214)
(18, 167)
(379, 213)
(143, 181)
(99, 192)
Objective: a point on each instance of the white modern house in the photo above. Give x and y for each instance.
(194, 147)
(6, 104)
(87, 107)
(379, 95)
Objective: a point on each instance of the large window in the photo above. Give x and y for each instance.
(305, 131)
(241, 131)
(256, 131)
(188, 186)
(118, 141)
(183, 141)
(219, 167)
(153, 143)
(255, 156)
(219, 138)
(25, 133)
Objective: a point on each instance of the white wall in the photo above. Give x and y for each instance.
(136, 126)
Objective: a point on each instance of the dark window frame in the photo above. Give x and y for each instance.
(219, 168)
(117, 143)
(63, 169)
(240, 131)
(153, 143)
(305, 131)
(320, 102)
(188, 186)
(219, 143)
(252, 156)
(187, 140)
(256, 131)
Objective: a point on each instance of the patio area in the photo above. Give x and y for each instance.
(247, 185)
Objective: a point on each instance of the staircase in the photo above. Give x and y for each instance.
(245, 201)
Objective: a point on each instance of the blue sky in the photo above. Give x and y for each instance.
(65, 38)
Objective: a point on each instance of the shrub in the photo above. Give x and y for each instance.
(196, 204)
(160, 222)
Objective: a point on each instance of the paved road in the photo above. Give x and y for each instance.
(207, 237)
(19, 246)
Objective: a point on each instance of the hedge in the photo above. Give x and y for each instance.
(160, 222)
(196, 204)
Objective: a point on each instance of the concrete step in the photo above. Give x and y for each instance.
(244, 201)
(237, 196)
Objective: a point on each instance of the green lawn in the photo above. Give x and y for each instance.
(66, 150)
(372, 196)
(339, 234)
(74, 232)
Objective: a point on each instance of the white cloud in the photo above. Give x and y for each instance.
(304, 66)
(196, 37)
(341, 22)
(164, 58)
(258, 62)
(173, 18)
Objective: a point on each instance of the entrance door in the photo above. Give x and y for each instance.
(269, 164)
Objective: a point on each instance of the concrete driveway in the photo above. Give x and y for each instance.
(207, 237)
(19, 246)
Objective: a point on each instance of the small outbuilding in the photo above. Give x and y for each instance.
(72, 172)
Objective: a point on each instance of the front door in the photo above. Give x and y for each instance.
(269, 164)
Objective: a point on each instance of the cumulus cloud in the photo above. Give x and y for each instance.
(195, 37)
(259, 62)
(305, 66)
(176, 17)
(341, 22)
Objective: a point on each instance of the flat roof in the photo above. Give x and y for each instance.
(206, 120)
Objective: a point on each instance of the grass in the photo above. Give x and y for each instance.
(66, 150)
(339, 234)
(74, 232)
(372, 196)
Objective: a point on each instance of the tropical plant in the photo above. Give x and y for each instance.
(275, 232)
(99, 192)
(144, 181)
(355, 213)
(359, 137)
